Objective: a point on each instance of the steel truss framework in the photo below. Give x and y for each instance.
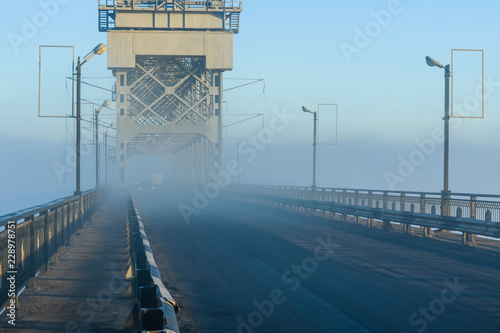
(171, 106)
(170, 89)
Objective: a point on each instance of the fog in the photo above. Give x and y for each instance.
(372, 163)
(241, 262)
(387, 96)
(37, 171)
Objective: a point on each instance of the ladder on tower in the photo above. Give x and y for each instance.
(234, 22)
(106, 20)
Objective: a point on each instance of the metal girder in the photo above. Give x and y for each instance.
(171, 106)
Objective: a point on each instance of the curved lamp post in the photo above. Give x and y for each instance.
(99, 49)
(97, 161)
(112, 125)
(306, 110)
(446, 191)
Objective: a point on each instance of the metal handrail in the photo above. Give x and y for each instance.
(41, 231)
(222, 5)
(487, 209)
(465, 225)
(35, 210)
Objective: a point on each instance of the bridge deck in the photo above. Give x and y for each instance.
(234, 259)
(84, 291)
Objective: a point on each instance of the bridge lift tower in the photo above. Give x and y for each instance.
(168, 57)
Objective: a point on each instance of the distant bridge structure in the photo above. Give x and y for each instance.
(168, 58)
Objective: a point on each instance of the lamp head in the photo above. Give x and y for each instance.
(433, 62)
(112, 125)
(306, 110)
(99, 49)
(104, 105)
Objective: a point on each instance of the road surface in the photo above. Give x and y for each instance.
(239, 267)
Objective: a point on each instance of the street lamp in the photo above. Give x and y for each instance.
(314, 145)
(447, 74)
(104, 105)
(112, 125)
(99, 49)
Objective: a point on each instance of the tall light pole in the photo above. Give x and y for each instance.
(446, 191)
(112, 125)
(97, 161)
(314, 145)
(238, 155)
(99, 49)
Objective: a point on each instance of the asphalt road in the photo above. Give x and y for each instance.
(240, 267)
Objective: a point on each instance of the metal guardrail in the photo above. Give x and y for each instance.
(40, 232)
(484, 207)
(463, 211)
(172, 5)
(230, 9)
(155, 309)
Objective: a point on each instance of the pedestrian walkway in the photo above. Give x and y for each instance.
(84, 291)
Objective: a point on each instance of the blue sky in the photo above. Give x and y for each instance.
(388, 97)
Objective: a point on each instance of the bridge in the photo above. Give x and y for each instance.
(205, 253)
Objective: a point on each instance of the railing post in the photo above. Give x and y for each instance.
(73, 215)
(369, 221)
(64, 226)
(57, 216)
(356, 203)
(427, 231)
(344, 202)
(46, 240)
(32, 244)
(332, 211)
(406, 226)
(445, 205)
(467, 238)
(323, 213)
(387, 224)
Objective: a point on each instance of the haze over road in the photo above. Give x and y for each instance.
(240, 267)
